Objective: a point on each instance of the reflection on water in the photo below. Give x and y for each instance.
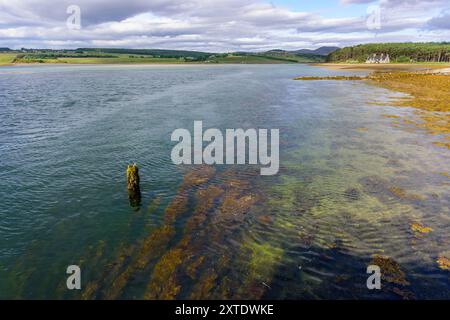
(353, 189)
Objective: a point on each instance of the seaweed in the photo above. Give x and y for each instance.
(163, 284)
(420, 228)
(391, 270)
(443, 262)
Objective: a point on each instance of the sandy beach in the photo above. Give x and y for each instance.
(383, 67)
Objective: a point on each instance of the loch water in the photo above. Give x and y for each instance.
(356, 187)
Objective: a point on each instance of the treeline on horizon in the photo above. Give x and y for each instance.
(398, 52)
(197, 55)
(35, 54)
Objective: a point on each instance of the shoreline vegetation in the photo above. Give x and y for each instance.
(427, 87)
(397, 53)
(154, 56)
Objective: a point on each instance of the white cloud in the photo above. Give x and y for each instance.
(210, 25)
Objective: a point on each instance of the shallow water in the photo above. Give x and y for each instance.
(351, 186)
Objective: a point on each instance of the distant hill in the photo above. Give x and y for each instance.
(296, 55)
(322, 51)
(4, 49)
(398, 52)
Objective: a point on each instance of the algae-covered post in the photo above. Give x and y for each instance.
(133, 177)
(134, 190)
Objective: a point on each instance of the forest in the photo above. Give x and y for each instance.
(404, 52)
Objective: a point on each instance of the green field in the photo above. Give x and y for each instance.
(6, 58)
(118, 60)
(137, 57)
(125, 59)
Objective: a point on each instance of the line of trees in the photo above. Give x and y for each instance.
(56, 55)
(398, 52)
(157, 53)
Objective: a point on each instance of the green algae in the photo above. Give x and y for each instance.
(263, 258)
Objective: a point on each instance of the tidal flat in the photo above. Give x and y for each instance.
(427, 87)
(360, 183)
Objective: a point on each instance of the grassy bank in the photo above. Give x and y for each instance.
(117, 60)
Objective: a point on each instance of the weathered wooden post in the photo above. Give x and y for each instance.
(134, 190)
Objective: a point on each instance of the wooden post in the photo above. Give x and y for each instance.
(134, 190)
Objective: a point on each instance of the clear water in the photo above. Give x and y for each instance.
(350, 187)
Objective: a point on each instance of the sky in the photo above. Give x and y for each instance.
(219, 25)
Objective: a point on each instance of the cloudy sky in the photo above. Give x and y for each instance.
(219, 25)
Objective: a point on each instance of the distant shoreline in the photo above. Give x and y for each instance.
(21, 64)
(113, 64)
(383, 67)
(330, 66)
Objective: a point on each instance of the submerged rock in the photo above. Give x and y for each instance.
(403, 194)
(374, 185)
(352, 194)
(385, 190)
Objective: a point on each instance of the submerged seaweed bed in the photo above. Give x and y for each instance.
(176, 260)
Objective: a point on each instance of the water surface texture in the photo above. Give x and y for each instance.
(351, 190)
